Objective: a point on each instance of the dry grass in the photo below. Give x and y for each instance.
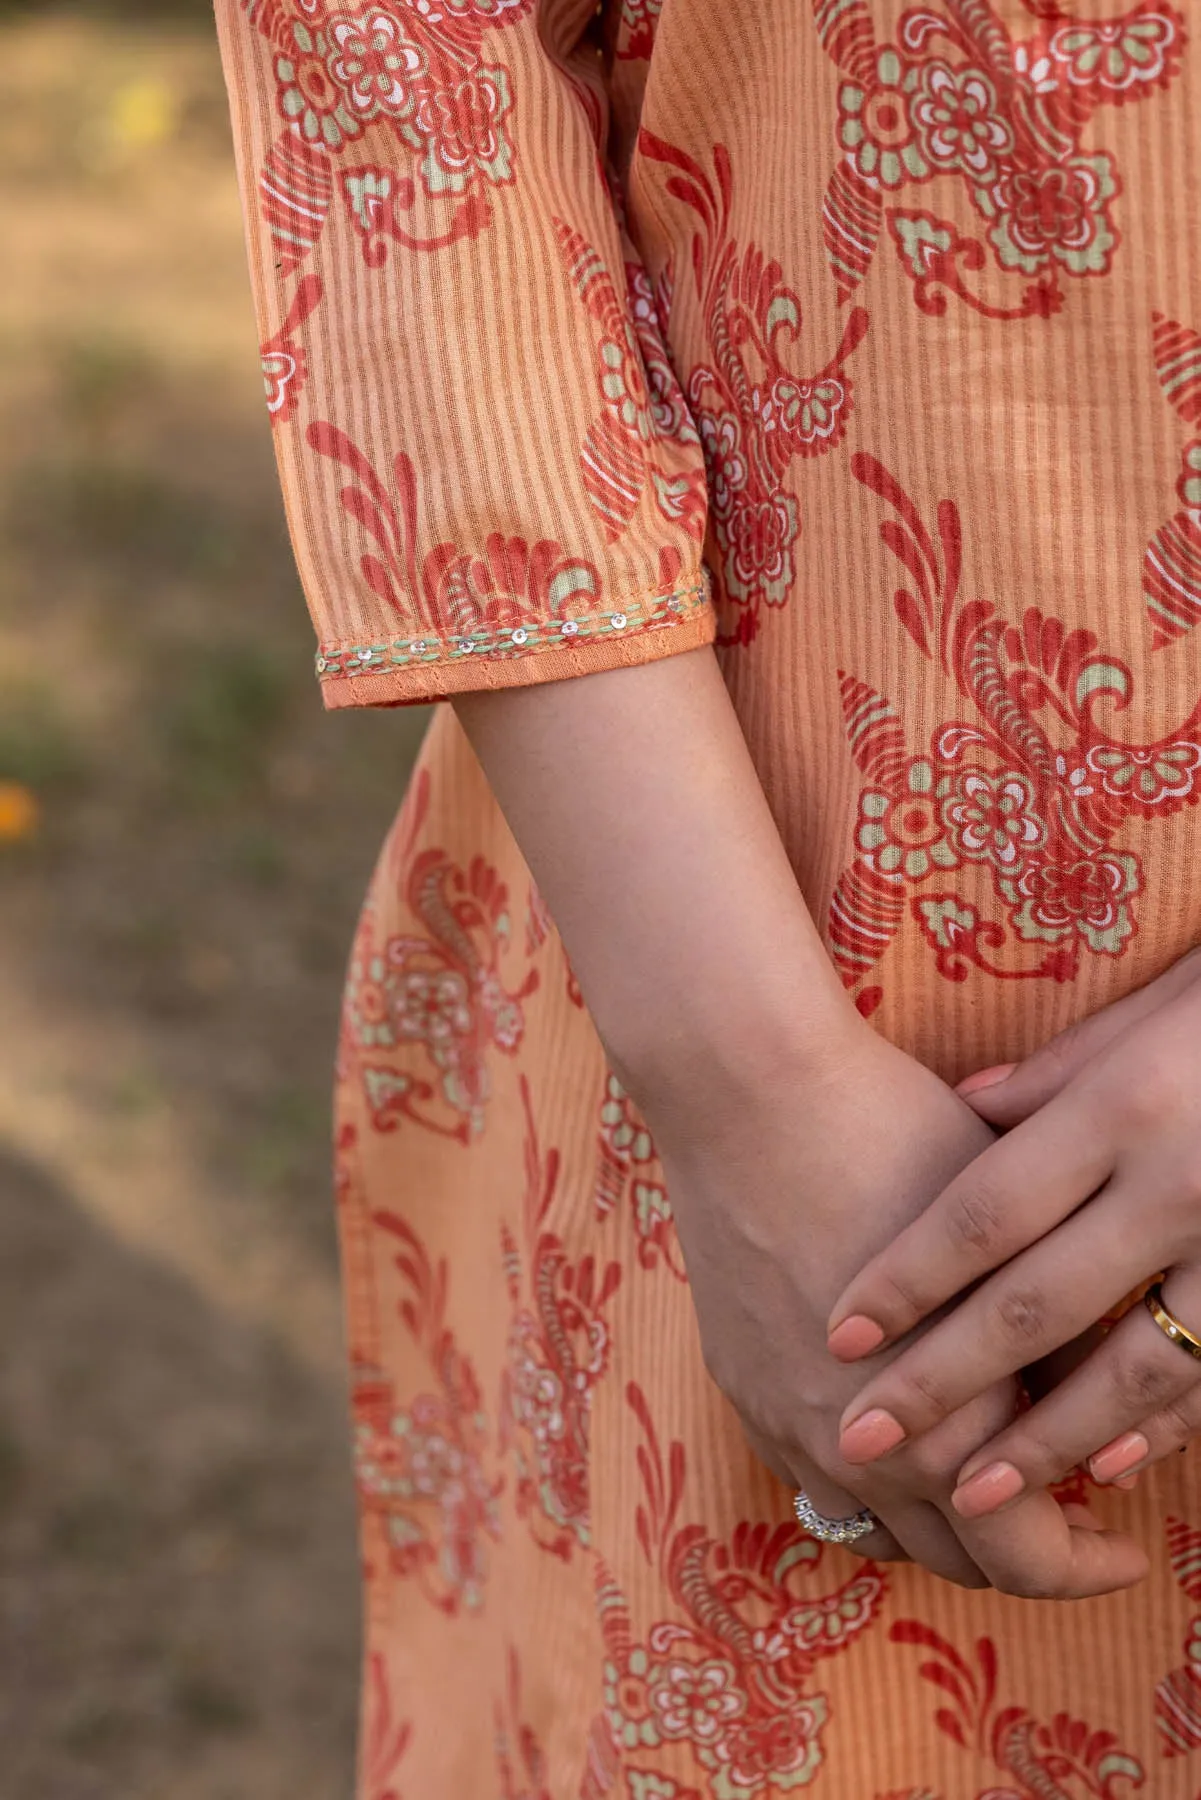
(177, 1584)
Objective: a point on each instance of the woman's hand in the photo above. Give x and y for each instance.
(778, 1192)
(1096, 1187)
(797, 1142)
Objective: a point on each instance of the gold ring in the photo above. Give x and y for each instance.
(1169, 1324)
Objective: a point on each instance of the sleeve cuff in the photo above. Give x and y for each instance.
(407, 671)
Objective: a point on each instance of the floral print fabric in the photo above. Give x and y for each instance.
(394, 165)
(864, 337)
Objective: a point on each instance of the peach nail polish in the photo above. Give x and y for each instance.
(1119, 1457)
(855, 1337)
(985, 1078)
(986, 1490)
(871, 1435)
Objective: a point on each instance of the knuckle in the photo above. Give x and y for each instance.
(1156, 1092)
(900, 1299)
(1022, 1312)
(1142, 1383)
(922, 1397)
(1039, 1460)
(974, 1222)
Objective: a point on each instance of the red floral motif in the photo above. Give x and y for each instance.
(385, 1739)
(438, 998)
(731, 1674)
(1117, 57)
(650, 308)
(499, 594)
(1062, 1759)
(1053, 212)
(377, 199)
(426, 1504)
(754, 412)
(645, 427)
(629, 1174)
(638, 23)
(558, 1351)
(1178, 1695)
(520, 1760)
(414, 72)
(1001, 117)
(1172, 564)
(285, 367)
(1032, 793)
(442, 995)
(419, 1468)
(1071, 896)
(295, 189)
(370, 64)
(464, 126)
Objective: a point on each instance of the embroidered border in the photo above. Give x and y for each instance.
(336, 661)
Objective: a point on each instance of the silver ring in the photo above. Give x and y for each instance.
(832, 1531)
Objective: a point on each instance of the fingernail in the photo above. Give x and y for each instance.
(985, 1078)
(855, 1337)
(1119, 1457)
(873, 1434)
(984, 1492)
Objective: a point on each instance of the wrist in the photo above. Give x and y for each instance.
(721, 1055)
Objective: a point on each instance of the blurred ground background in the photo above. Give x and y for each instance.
(184, 839)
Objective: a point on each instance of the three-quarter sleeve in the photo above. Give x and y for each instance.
(490, 472)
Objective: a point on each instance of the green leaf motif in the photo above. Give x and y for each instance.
(919, 239)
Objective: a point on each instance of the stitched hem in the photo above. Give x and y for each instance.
(429, 650)
(412, 686)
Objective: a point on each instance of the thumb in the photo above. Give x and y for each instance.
(1007, 1093)
(1010, 1092)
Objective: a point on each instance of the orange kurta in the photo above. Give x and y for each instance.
(866, 338)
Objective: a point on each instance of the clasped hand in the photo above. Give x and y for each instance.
(1094, 1188)
(777, 1201)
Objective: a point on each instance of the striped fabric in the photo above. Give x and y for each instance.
(865, 339)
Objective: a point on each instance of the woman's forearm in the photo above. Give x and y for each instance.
(636, 804)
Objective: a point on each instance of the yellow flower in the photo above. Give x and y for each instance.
(19, 812)
(143, 114)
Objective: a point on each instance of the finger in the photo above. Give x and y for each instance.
(913, 1491)
(1035, 1548)
(1013, 1193)
(1040, 1301)
(915, 1531)
(797, 1471)
(1136, 1374)
(834, 1502)
(1039, 1550)
(1165, 1433)
(1011, 1092)
(930, 1539)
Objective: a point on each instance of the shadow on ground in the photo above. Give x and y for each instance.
(159, 1463)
